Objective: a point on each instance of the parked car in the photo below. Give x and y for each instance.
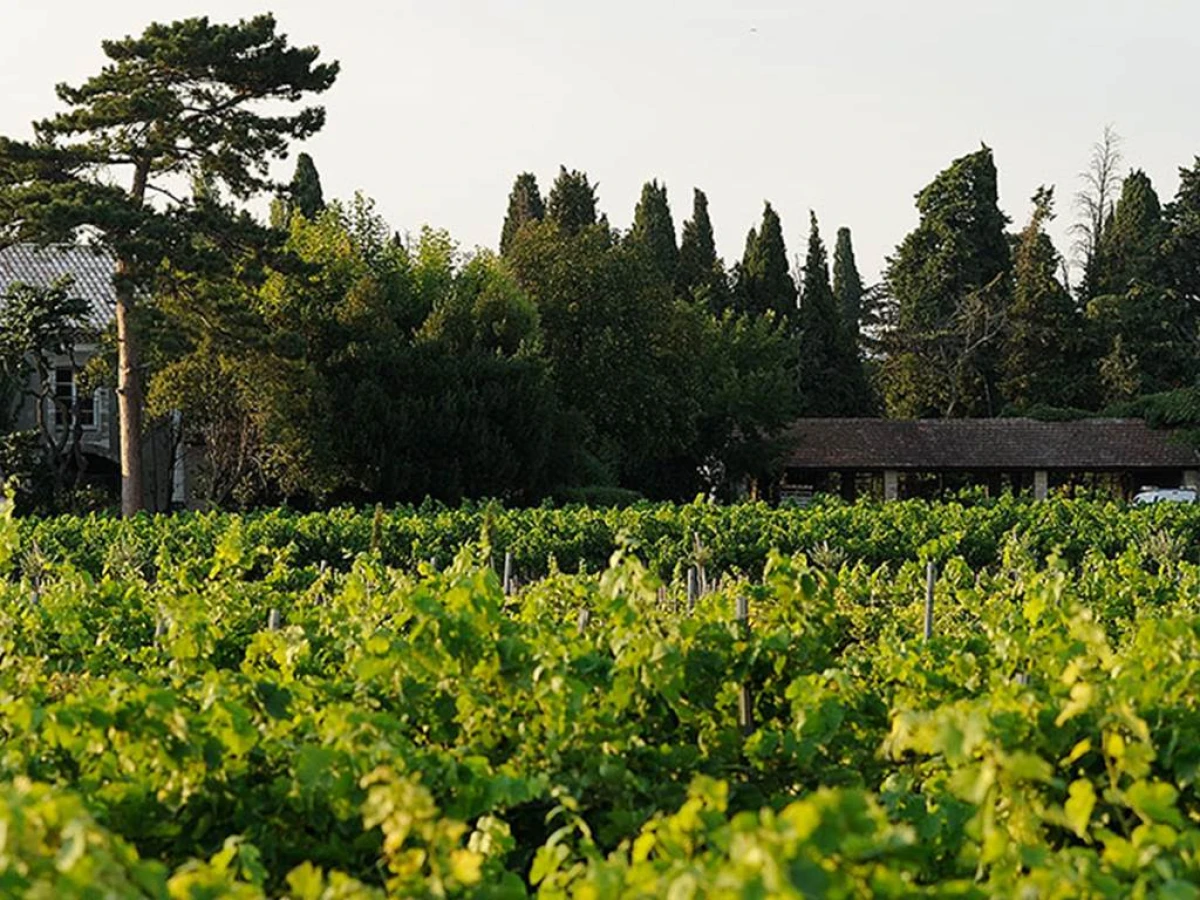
(1160, 495)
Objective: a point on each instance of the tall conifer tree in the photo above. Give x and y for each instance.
(306, 193)
(831, 377)
(653, 231)
(525, 204)
(1146, 327)
(1130, 243)
(572, 203)
(303, 195)
(847, 285)
(948, 281)
(701, 275)
(764, 282)
(1043, 361)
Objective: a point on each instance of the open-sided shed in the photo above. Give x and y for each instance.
(911, 457)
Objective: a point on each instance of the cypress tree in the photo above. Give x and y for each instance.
(948, 281)
(302, 195)
(1145, 322)
(847, 285)
(525, 204)
(831, 378)
(697, 246)
(700, 274)
(1044, 360)
(572, 203)
(1182, 244)
(1130, 243)
(307, 197)
(653, 231)
(765, 284)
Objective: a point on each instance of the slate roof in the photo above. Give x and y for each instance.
(41, 266)
(1007, 444)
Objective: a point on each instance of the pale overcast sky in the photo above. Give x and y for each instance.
(845, 107)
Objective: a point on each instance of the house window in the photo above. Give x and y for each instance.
(64, 398)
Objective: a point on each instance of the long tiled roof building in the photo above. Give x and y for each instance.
(1020, 453)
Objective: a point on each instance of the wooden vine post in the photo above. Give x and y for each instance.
(745, 701)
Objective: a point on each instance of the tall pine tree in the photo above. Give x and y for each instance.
(653, 231)
(525, 204)
(178, 100)
(832, 382)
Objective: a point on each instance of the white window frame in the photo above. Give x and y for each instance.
(89, 415)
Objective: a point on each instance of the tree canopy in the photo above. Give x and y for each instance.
(184, 100)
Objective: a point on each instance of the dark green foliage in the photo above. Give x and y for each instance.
(173, 101)
(847, 285)
(620, 354)
(1045, 359)
(764, 281)
(305, 190)
(701, 275)
(1146, 330)
(669, 396)
(831, 379)
(303, 195)
(1178, 410)
(40, 328)
(1130, 244)
(750, 395)
(465, 409)
(525, 204)
(572, 202)
(653, 231)
(1182, 246)
(948, 281)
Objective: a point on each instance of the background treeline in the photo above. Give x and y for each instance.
(351, 363)
(584, 362)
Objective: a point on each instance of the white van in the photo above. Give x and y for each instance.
(1159, 495)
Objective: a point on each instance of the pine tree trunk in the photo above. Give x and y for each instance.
(129, 376)
(129, 401)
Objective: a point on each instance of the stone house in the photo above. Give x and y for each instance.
(92, 281)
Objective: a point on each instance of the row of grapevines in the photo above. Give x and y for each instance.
(724, 539)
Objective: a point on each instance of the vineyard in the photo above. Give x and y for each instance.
(662, 701)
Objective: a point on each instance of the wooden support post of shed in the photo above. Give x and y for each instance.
(891, 484)
(1041, 484)
(1191, 479)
